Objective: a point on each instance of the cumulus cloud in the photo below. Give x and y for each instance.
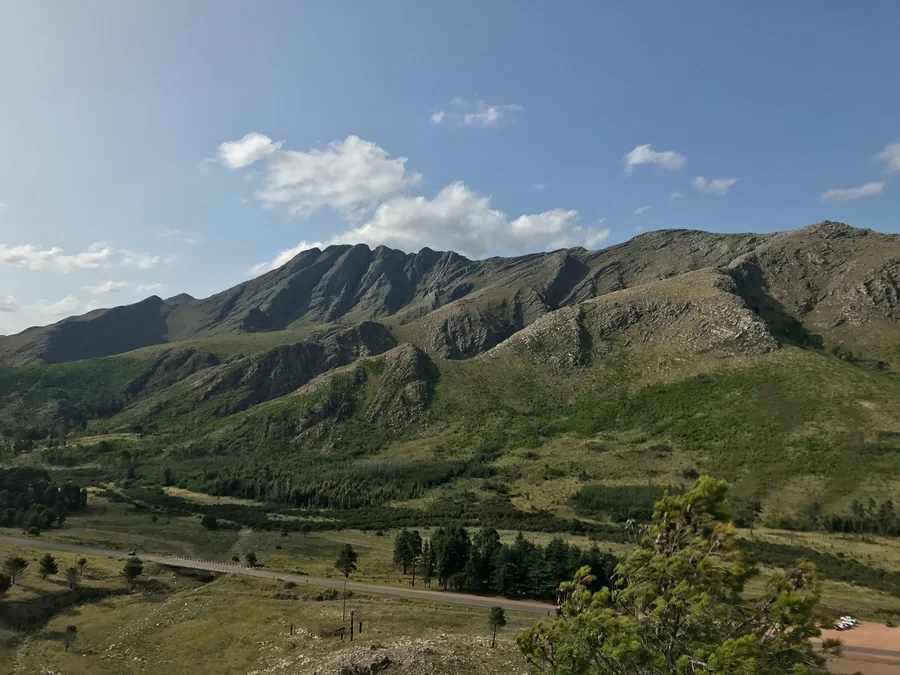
(540, 186)
(716, 186)
(348, 176)
(641, 209)
(437, 117)
(65, 306)
(645, 154)
(252, 147)
(676, 194)
(891, 155)
(98, 256)
(8, 304)
(845, 194)
(149, 288)
(456, 219)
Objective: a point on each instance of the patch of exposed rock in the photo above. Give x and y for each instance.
(695, 314)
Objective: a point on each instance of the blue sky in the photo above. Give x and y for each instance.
(172, 147)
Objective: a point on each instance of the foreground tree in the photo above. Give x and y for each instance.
(346, 565)
(81, 564)
(250, 559)
(496, 619)
(677, 606)
(71, 577)
(134, 567)
(49, 566)
(14, 566)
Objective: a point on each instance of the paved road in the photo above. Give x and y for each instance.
(416, 594)
(212, 566)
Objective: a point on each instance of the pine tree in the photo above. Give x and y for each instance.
(678, 606)
(496, 619)
(48, 565)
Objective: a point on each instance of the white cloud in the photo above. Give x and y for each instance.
(645, 154)
(98, 256)
(456, 219)
(107, 287)
(676, 194)
(595, 236)
(182, 236)
(478, 113)
(65, 306)
(641, 209)
(149, 288)
(891, 155)
(349, 176)
(8, 304)
(540, 186)
(283, 257)
(844, 194)
(483, 118)
(252, 147)
(717, 186)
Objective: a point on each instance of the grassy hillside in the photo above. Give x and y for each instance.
(578, 413)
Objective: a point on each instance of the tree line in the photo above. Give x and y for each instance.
(30, 499)
(481, 563)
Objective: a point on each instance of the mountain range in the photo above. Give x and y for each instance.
(768, 359)
(827, 278)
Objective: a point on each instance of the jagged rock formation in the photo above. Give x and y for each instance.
(824, 277)
(490, 298)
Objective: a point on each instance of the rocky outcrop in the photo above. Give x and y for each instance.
(172, 366)
(404, 389)
(245, 382)
(676, 319)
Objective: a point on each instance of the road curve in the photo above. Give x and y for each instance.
(223, 568)
(411, 593)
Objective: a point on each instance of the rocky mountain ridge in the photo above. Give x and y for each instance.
(829, 277)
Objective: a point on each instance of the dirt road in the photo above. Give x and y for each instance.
(223, 568)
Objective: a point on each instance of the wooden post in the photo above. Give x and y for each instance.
(414, 572)
(351, 626)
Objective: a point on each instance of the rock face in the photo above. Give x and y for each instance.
(245, 382)
(404, 388)
(803, 283)
(668, 321)
(391, 392)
